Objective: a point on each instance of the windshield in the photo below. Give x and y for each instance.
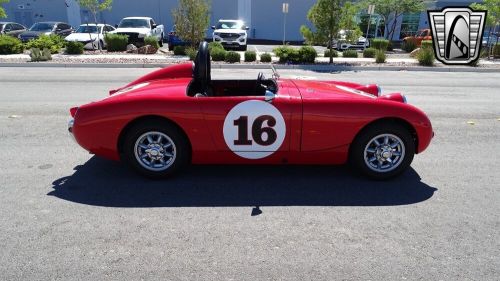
(229, 25)
(88, 29)
(125, 23)
(42, 26)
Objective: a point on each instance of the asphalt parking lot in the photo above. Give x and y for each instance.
(66, 215)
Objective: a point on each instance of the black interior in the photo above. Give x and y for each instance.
(203, 86)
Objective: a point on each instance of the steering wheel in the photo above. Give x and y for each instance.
(201, 69)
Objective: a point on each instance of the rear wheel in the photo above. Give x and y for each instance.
(156, 149)
(383, 151)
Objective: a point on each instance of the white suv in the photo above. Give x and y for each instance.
(231, 33)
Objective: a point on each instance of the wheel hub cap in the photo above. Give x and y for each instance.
(155, 151)
(384, 153)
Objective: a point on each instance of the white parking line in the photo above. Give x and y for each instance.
(256, 50)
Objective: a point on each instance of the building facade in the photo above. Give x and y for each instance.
(264, 17)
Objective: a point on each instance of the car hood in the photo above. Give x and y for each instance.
(232, 31)
(310, 89)
(81, 37)
(132, 30)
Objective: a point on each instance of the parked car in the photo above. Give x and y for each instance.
(421, 35)
(342, 43)
(174, 40)
(178, 115)
(138, 28)
(91, 35)
(490, 38)
(231, 33)
(50, 27)
(11, 28)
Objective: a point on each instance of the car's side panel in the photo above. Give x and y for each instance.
(218, 118)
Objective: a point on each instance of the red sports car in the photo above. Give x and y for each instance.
(178, 115)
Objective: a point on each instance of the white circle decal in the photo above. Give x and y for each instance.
(254, 129)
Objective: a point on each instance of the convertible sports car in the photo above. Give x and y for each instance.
(178, 115)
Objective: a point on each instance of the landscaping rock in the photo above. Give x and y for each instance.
(148, 50)
(131, 48)
(414, 53)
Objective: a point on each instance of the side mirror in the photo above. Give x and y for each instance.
(213, 26)
(154, 26)
(246, 28)
(269, 96)
(116, 25)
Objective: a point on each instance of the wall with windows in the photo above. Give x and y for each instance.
(28, 12)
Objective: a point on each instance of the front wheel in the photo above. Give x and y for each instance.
(156, 149)
(383, 151)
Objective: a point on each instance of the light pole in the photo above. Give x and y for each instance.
(285, 11)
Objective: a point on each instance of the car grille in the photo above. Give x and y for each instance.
(132, 37)
(232, 36)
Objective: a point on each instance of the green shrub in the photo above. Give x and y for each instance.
(215, 45)
(409, 45)
(191, 53)
(307, 54)
(390, 46)
(350, 54)
(10, 45)
(232, 57)
(369, 52)
(116, 42)
(38, 55)
(180, 50)
(379, 56)
(334, 52)
(250, 56)
(74, 48)
(152, 41)
(287, 54)
(496, 50)
(426, 44)
(266, 57)
(425, 56)
(218, 54)
(379, 44)
(54, 43)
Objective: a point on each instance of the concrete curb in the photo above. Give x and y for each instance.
(311, 67)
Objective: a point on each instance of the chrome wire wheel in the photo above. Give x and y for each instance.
(384, 153)
(155, 151)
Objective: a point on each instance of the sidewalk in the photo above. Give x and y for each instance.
(124, 60)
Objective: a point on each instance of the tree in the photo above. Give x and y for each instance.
(191, 19)
(492, 18)
(493, 8)
(391, 10)
(326, 17)
(95, 6)
(2, 11)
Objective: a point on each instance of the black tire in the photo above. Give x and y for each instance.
(101, 45)
(179, 148)
(243, 48)
(170, 47)
(394, 132)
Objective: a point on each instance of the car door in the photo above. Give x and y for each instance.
(19, 29)
(249, 128)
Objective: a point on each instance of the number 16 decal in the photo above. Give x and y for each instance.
(254, 129)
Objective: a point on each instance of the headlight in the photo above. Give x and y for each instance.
(141, 35)
(216, 34)
(242, 34)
